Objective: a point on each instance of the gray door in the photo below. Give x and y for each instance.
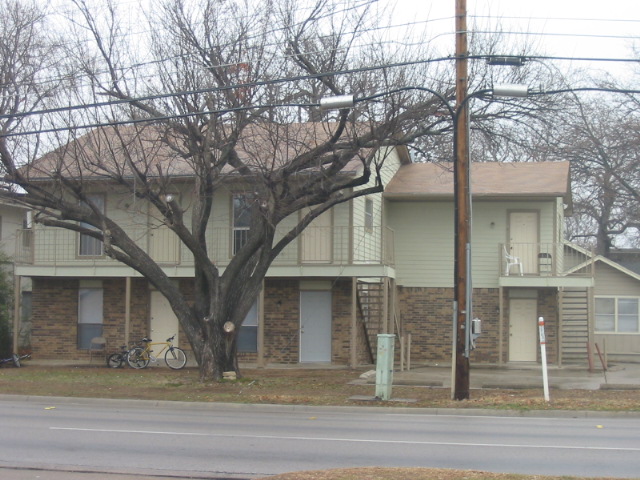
(315, 326)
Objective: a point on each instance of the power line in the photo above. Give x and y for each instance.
(221, 88)
(258, 84)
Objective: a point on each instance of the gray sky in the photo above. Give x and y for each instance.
(567, 28)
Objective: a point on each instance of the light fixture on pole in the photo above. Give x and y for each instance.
(463, 290)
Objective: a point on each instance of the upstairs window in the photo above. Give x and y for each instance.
(241, 217)
(89, 246)
(368, 215)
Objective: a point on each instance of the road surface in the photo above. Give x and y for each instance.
(242, 441)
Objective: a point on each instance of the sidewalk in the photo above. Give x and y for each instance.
(618, 376)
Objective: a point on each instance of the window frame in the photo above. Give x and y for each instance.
(369, 209)
(616, 314)
(239, 234)
(248, 331)
(88, 311)
(86, 242)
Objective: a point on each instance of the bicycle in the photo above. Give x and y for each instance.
(118, 359)
(140, 357)
(15, 359)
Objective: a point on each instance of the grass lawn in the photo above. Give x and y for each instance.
(297, 386)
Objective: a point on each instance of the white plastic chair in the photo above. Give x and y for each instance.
(511, 261)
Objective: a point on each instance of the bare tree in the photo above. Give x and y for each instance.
(599, 135)
(226, 91)
(27, 74)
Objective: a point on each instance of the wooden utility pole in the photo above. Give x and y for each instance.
(462, 201)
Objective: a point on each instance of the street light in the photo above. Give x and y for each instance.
(463, 291)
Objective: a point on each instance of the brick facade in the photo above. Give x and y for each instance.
(426, 313)
(54, 331)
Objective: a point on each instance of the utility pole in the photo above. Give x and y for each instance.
(462, 202)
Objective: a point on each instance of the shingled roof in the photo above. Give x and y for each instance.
(262, 147)
(490, 179)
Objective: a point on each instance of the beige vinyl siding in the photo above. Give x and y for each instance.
(423, 243)
(363, 239)
(11, 218)
(424, 239)
(613, 283)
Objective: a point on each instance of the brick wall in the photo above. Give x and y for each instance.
(282, 319)
(425, 312)
(55, 316)
(341, 328)
(548, 309)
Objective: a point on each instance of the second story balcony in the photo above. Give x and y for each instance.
(48, 251)
(544, 264)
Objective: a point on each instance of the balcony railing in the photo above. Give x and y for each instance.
(543, 259)
(316, 246)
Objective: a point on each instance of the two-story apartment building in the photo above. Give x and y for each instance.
(378, 264)
(518, 263)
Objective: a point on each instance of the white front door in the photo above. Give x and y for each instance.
(522, 329)
(315, 326)
(523, 239)
(164, 323)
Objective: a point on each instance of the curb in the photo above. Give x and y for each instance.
(283, 408)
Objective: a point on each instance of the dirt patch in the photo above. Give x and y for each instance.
(406, 474)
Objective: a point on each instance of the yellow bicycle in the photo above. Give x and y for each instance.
(140, 357)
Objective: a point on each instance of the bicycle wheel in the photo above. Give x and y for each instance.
(175, 358)
(137, 358)
(115, 360)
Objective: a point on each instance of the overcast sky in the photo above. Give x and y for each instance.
(567, 28)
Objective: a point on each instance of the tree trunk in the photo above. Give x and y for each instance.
(218, 356)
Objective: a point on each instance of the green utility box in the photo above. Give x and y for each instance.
(384, 366)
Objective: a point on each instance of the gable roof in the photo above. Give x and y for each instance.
(488, 179)
(263, 147)
(599, 258)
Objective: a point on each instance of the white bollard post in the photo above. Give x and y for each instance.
(543, 356)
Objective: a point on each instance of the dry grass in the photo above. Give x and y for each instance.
(286, 386)
(376, 473)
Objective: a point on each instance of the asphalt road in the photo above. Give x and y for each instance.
(241, 441)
